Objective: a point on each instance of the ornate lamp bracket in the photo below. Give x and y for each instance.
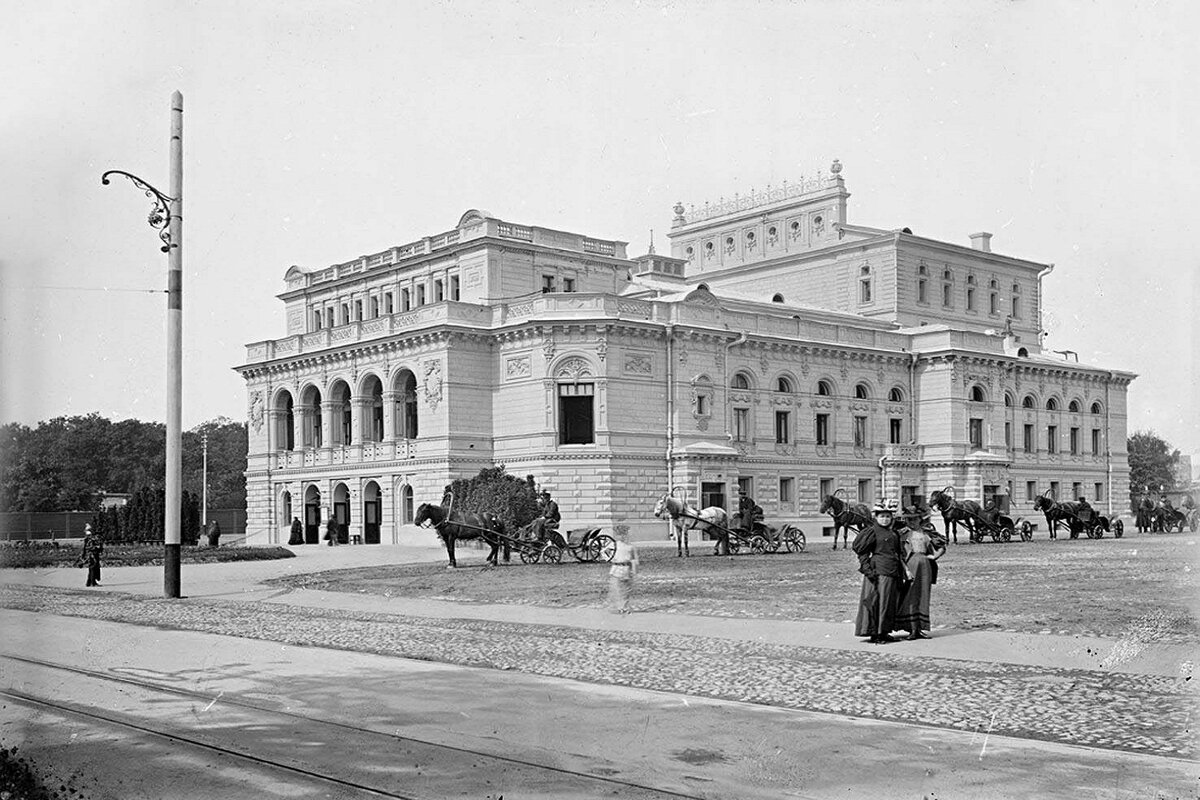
(160, 212)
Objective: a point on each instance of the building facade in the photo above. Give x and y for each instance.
(778, 350)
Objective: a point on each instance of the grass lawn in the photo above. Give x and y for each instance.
(44, 555)
(1107, 587)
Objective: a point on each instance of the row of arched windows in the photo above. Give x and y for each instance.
(1075, 406)
(824, 388)
(300, 422)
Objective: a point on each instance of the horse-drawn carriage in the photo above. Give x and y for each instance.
(758, 537)
(1165, 517)
(587, 544)
(1078, 516)
(991, 521)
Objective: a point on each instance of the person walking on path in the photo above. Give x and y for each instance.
(297, 533)
(622, 572)
(214, 534)
(331, 532)
(93, 547)
(920, 564)
(881, 562)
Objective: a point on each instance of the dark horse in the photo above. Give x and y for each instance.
(956, 511)
(452, 525)
(846, 517)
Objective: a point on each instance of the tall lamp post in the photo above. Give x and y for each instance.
(166, 215)
(204, 486)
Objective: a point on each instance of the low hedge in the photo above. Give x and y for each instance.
(46, 555)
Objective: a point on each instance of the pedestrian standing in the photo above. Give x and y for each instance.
(880, 560)
(297, 533)
(622, 572)
(93, 547)
(921, 556)
(331, 532)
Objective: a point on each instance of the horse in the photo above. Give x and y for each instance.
(956, 511)
(847, 516)
(452, 525)
(1059, 512)
(712, 519)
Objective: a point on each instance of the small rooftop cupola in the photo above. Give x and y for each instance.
(982, 241)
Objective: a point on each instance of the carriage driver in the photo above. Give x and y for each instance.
(550, 516)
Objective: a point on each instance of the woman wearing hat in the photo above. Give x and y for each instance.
(93, 548)
(880, 560)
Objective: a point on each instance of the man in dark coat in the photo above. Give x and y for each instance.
(881, 562)
(297, 532)
(549, 518)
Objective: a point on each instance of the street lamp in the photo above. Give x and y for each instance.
(166, 216)
(204, 486)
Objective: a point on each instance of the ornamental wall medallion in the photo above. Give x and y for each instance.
(548, 349)
(517, 368)
(637, 364)
(433, 383)
(602, 348)
(256, 411)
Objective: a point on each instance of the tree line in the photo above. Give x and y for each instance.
(70, 463)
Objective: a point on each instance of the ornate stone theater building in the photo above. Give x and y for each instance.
(778, 350)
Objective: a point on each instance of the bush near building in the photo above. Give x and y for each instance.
(141, 519)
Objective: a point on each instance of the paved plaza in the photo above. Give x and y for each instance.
(1128, 697)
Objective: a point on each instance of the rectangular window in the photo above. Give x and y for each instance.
(1095, 441)
(946, 295)
(317, 320)
(439, 291)
(1030, 491)
(1098, 489)
(568, 284)
(782, 425)
(1054, 490)
(1016, 308)
(921, 294)
(741, 424)
(329, 318)
(746, 486)
(576, 421)
(1051, 438)
(860, 431)
(405, 300)
(358, 305)
(1008, 435)
(702, 405)
(421, 294)
(1029, 446)
(374, 307)
(864, 290)
(547, 284)
(825, 487)
(894, 431)
(994, 304)
(787, 492)
(975, 432)
(388, 308)
(970, 299)
(822, 428)
(454, 291)
(1074, 441)
(864, 490)
(345, 313)
(1076, 491)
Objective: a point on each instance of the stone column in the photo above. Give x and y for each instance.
(389, 415)
(329, 408)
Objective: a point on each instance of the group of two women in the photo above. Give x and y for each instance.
(899, 565)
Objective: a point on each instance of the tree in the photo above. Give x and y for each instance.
(507, 496)
(1151, 463)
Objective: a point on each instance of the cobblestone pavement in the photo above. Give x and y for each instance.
(1144, 714)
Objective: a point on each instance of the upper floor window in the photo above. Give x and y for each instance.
(946, 295)
(970, 298)
(388, 308)
(576, 413)
(1096, 408)
(317, 320)
(329, 318)
(824, 388)
(405, 300)
(568, 284)
(421, 294)
(1028, 402)
(740, 381)
(864, 285)
(374, 307)
(896, 395)
(922, 293)
(358, 308)
(993, 303)
(861, 392)
(977, 394)
(1052, 404)
(439, 291)
(1073, 407)
(454, 292)
(547, 284)
(345, 313)
(783, 385)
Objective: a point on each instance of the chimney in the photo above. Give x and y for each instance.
(982, 241)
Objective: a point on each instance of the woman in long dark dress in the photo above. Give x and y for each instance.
(922, 553)
(880, 561)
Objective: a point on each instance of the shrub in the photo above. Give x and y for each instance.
(513, 500)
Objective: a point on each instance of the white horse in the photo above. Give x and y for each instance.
(712, 519)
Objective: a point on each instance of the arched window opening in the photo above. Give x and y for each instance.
(373, 417)
(1052, 404)
(977, 395)
(310, 418)
(861, 392)
(783, 385)
(285, 421)
(1096, 408)
(343, 434)
(406, 504)
(1008, 399)
(824, 388)
(778, 298)
(405, 416)
(740, 381)
(896, 395)
(1073, 407)
(1028, 402)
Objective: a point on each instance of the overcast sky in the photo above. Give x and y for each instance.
(317, 132)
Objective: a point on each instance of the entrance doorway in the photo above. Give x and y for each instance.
(341, 512)
(372, 511)
(312, 515)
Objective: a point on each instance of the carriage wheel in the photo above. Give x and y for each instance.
(1026, 531)
(794, 539)
(758, 545)
(1118, 528)
(552, 554)
(606, 547)
(735, 544)
(995, 532)
(530, 555)
(1006, 533)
